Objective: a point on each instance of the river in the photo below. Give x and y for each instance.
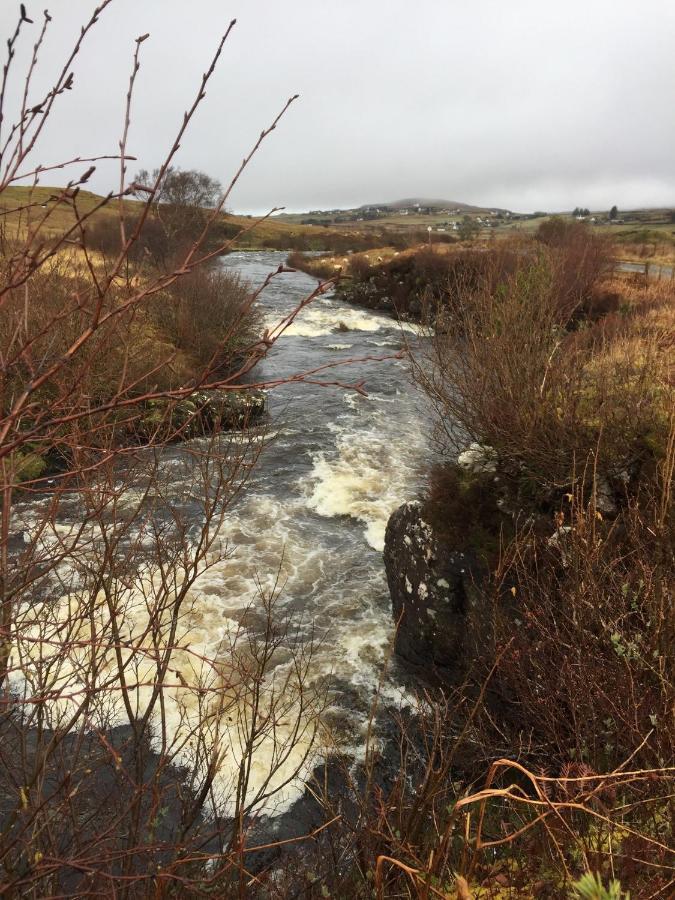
(319, 502)
(312, 518)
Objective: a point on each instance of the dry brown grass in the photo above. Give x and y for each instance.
(516, 368)
(208, 316)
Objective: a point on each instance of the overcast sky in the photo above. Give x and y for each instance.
(526, 104)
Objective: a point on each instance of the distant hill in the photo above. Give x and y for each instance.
(390, 208)
(411, 202)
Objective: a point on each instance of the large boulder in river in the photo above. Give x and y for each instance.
(433, 594)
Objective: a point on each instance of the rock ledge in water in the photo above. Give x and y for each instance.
(205, 412)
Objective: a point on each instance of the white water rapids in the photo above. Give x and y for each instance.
(310, 522)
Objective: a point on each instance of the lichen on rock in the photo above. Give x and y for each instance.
(432, 592)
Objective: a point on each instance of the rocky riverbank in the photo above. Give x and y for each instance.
(204, 413)
(408, 283)
(441, 557)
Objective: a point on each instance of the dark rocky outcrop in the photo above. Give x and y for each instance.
(433, 593)
(438, 555)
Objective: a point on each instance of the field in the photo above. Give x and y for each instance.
(54, 218)
(640, 236)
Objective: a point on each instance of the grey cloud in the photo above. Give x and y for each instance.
(521, 104)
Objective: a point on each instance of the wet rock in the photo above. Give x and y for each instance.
(433, 595)
(415, 309)
(230, 409)
(204, 413)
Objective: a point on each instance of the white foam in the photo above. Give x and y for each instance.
(206, 691)
(325, 316)
(260, 549)
(370, 475)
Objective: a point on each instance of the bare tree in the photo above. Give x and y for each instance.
(182, 199)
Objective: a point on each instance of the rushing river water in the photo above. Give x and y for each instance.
(323, 491)
(313, 516)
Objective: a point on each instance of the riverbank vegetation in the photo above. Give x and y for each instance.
(188, 333)
(549, 752)
(572, 391)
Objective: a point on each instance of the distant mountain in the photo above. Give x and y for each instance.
(411, 202)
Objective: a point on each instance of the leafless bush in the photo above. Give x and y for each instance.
(296, 259)
(510, 369)
(133, 716)
(154, 245)
(208, 315)
(582, 259)
(421, 818)
(592, 605)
